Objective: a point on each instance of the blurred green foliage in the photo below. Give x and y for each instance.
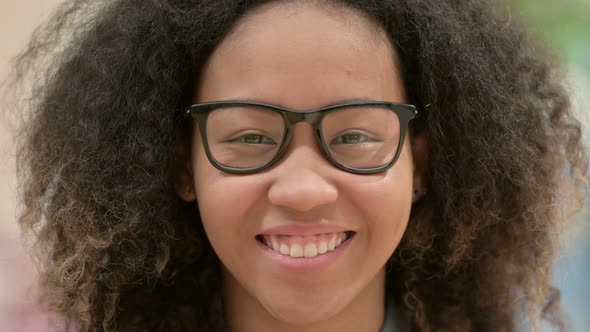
(563, 25)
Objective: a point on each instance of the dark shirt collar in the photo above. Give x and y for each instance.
(394, 321)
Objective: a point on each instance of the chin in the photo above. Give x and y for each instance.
(302, 312)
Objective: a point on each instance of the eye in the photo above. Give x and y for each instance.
(352, 138)
(253, 139)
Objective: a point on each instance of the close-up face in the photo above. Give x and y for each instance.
(278, 231)
(294, 166)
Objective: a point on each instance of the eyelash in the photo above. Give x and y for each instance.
(363, 138)
(262, 139)
(242, 139)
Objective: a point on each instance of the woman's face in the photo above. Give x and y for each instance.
(302, 58)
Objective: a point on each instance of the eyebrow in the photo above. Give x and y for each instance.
(335, 102)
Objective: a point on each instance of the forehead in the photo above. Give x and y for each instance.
(302, 56)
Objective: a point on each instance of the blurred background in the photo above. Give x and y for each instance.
(563, 26)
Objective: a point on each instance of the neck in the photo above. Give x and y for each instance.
(366, 312)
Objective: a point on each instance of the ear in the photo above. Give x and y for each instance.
(180, 155)
(420, 153)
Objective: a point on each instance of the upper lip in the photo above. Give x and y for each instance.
(304, 229)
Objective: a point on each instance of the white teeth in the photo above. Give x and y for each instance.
(275, 243)
(322, 248)
(322, 244)
(296, 251)
(338, 240)
(311, 250)
(332, 243)
(284, 249)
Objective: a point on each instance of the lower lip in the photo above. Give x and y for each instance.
(306, 263)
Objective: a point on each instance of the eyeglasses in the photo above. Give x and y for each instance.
(359, 137)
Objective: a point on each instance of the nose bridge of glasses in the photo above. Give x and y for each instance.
(298, 146)
(305, 162)
(312, 117)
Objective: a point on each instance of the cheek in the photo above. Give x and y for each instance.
(224, 203)
(212, 199)
(386, 204)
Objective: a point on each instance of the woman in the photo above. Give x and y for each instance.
(297, 166)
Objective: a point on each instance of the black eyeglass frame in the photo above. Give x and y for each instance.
(201, 111)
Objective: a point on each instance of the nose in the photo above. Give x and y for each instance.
(302, 178)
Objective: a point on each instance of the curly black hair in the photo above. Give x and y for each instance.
(122, 252)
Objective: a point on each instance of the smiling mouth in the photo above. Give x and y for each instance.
(305, 246)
